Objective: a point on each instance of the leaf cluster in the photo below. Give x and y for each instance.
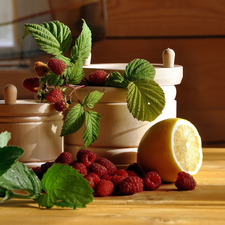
(60, 186)
(145, 98)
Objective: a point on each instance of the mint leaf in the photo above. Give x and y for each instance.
(139, 69)
(8, 155)
(82, 45)
(53, 37)
(145, 100)
(19, 177)
(75, 71)
(64, 187)
(4, 138)
(116, 80)
(91, 99)
(92, 127)
(74, 120)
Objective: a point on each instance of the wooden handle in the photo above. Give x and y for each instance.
(10, 94)
(168, 56)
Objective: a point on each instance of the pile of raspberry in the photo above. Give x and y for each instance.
(106, 179)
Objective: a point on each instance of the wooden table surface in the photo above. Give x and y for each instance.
(204, 205)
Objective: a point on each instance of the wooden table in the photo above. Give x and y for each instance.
(205, 205)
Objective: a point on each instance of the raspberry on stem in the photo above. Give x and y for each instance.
(54, 95)
(32, 84)
(57, 66)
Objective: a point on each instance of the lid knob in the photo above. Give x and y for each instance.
(10, 94)
(168, 56)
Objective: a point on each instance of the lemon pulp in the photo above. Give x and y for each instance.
(186, 146)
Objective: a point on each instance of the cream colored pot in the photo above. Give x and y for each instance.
(120, 133)
(35, 127)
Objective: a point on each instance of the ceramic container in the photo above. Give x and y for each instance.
(35, 127)
(120, 133)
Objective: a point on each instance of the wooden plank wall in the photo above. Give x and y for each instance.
(195, 30)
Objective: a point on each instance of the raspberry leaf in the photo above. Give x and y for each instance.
(92, 127)
(75, 71)
(52, 37)
(116, 80)
(74, 120)
(64, 187)
(4, 138)
(145, 100)
(8, 155)
(19, 177)
(82, 45)
(139, 69)
(91, 99)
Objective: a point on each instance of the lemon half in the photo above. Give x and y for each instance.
(169, 147)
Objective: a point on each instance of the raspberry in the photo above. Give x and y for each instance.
(130, 186)
(97, 78)
(37, 170)
(64, 158)
(104, 188)
(116, 180)
(55, 95)
(60, 106)
(131, 173)
(82, 169)
(41, 68)
(185, 181)
(122, 173)
(152, 180)
(91, 182)
(135, 167)
(85, 156)
(106, 177)
(94, 176)
(111, 168)
(57, 66)
(98, 169)
(31, 84)
(46, 166)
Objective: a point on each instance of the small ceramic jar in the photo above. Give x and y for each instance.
(35, 127)
(120, 133)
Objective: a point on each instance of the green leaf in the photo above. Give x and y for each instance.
(116, 80)
(91, 99)
(82, 45)
(4, 138)
(64, 187)
(92, 127)
(145, 100)
(53, 37)
(19, 177)
(8, 155)
(139, 69)
(74, 120)
(75, 72)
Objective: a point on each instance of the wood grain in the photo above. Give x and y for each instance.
(167, 205)
(165, 18)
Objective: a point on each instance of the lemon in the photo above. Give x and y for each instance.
(169, 147)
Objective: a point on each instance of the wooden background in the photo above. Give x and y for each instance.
(195, 30)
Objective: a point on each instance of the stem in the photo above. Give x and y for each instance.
(74, 91)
